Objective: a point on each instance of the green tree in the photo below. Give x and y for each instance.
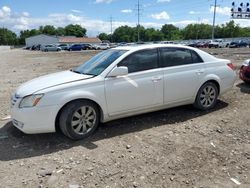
(75, 30)
(7, 37)
(153, 35)
(27, 33)
(47, 29)
(171, 32)
(197, 31)
(103, 36)
(124, 34)
(60, 31)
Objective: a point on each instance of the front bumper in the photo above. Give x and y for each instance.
(34, 120)
(245, 73)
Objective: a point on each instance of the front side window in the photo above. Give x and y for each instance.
(178, 56)
(141, 61)
(97, 64)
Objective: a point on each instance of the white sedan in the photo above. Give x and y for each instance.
(117, 83)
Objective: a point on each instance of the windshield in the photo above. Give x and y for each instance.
(99, 62)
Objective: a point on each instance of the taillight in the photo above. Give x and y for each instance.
(230, 65)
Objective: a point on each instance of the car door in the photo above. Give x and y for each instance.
(140, 89)
(183, 70)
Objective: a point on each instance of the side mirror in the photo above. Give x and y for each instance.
(119, 71)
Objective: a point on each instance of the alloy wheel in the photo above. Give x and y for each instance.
(208, 96)
(83, 120)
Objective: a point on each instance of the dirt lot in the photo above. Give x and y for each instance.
(179, 147)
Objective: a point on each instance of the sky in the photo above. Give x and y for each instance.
(95, 15)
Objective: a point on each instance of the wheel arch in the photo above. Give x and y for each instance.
(57, 128)
(215, 81)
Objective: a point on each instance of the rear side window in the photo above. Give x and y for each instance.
(196, 57)
(178, 56)
(141, 61)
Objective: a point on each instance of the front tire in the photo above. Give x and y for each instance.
(207, 96)
(79, 119)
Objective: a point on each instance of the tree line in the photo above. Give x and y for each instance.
(7, 37)
(129, 34)
(171, 32)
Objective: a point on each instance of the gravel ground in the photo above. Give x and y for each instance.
(178, 147)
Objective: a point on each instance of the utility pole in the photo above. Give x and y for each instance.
(138, 20)
(111, 29)
(215, 6)
(198, 25)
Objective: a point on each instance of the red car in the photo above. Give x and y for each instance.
(245, 72)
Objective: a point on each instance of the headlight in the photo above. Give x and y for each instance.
(30, 101)
(246, 63)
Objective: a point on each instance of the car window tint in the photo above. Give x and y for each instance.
(175, 56)
(196, 57)
(140, 61)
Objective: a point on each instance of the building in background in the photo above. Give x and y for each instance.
(43, 39)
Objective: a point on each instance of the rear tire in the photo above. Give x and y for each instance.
(79, 119)
(206, 97)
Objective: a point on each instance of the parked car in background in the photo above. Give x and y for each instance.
(86, 47)
(26, 48)
(202, 45)
(193, 44)
(102, 46)
(35, 47)
(50, 48)
(120, 82)
(238, 44)
(75, 47)
(64, 46)
(218, 43)
(245, 71)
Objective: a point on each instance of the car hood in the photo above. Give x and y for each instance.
(48, 81)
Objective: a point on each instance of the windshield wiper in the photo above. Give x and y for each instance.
(89, 74)
(78, 72)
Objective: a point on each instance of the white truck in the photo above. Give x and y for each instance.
(218, 43)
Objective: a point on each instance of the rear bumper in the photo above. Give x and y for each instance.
(34, 120)
(227, 84)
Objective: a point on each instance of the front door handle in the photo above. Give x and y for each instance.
(156, 79)
(200, 71)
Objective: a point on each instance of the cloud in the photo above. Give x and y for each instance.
(17, 22)
(194, 12)
(243, 23)
(221, 10)
(5, 12)
(103, 1)
(76, 11)
(126, 11)
(160, 16)
(162, 1)
(25, 14)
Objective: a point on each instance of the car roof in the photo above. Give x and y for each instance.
(147, 46)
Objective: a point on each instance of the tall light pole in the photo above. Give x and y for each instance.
(215, 6)
(138, 21)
